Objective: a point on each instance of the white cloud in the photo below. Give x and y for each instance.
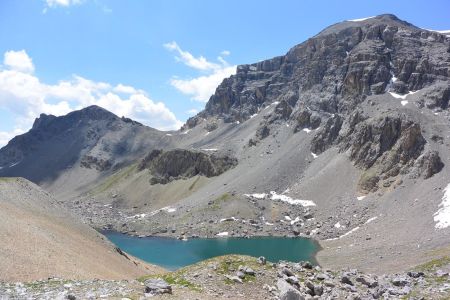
(19, 61)
(25, 97)
(192, 111)
(199, 63)
(202, 87)
(126, 89)
(225, 53)
(64, 3)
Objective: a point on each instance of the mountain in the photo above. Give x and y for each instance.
(41, 239)
(77, 146)
(344, 139)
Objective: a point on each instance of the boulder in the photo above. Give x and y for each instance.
(157, 286)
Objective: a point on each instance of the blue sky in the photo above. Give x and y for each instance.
(156, 61)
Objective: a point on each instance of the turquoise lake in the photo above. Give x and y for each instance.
(172, 254)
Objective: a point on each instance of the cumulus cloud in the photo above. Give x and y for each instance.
(18, 61)
(25, 97)
(202, 87)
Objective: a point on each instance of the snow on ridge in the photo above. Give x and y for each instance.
(362, 19)
(398, 96)
(210, 149)
(442, 216)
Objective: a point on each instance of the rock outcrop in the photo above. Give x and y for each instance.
(169, 165)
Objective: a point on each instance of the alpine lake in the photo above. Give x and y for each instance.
(173, 254)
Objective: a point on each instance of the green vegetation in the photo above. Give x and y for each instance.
(114, 179)
(174, 278)
(434, 264)
(217, 203)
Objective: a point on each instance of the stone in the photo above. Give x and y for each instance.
(306, 265)
(234, 278)
(287, 272)
(346, 280)
(157, 286)
(400, 281)
(240, 274)
(367, 281)
(262, 260)
(415, 274)
(287, 291)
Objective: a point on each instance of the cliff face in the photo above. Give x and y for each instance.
(333, 71)
(324, 81)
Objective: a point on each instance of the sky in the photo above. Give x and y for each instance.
(155, 61)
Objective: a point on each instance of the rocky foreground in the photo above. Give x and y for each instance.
(243, 277)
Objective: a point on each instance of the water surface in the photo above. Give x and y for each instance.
(172, 254)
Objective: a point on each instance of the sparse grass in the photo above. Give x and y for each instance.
(434, 264)
(114, 179)
(217, 203)
(8, 179)
(174, 278)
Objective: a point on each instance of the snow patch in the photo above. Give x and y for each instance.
(252, 116)
(275, 103)
(210, 149)
(360, 198)
(398, 96)
(269, 224)
(186, 132)
(349, 232)
(287, 199)
(442, 216)
(257, 196)
(228, 219)
(404, 102)
(225, 233)
(206, 133)
(307, 130)
(370, 220)
(168, 134)
(14, 164)
(337, 225)
(314, 155)
(362, 19)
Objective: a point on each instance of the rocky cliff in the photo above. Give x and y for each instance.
(323, 81)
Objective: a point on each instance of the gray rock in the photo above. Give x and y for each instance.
(157, 286)
(287, 291)
(401, 281)
(367, 281)
(262, 260)
(287, 272)
(346, 280)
